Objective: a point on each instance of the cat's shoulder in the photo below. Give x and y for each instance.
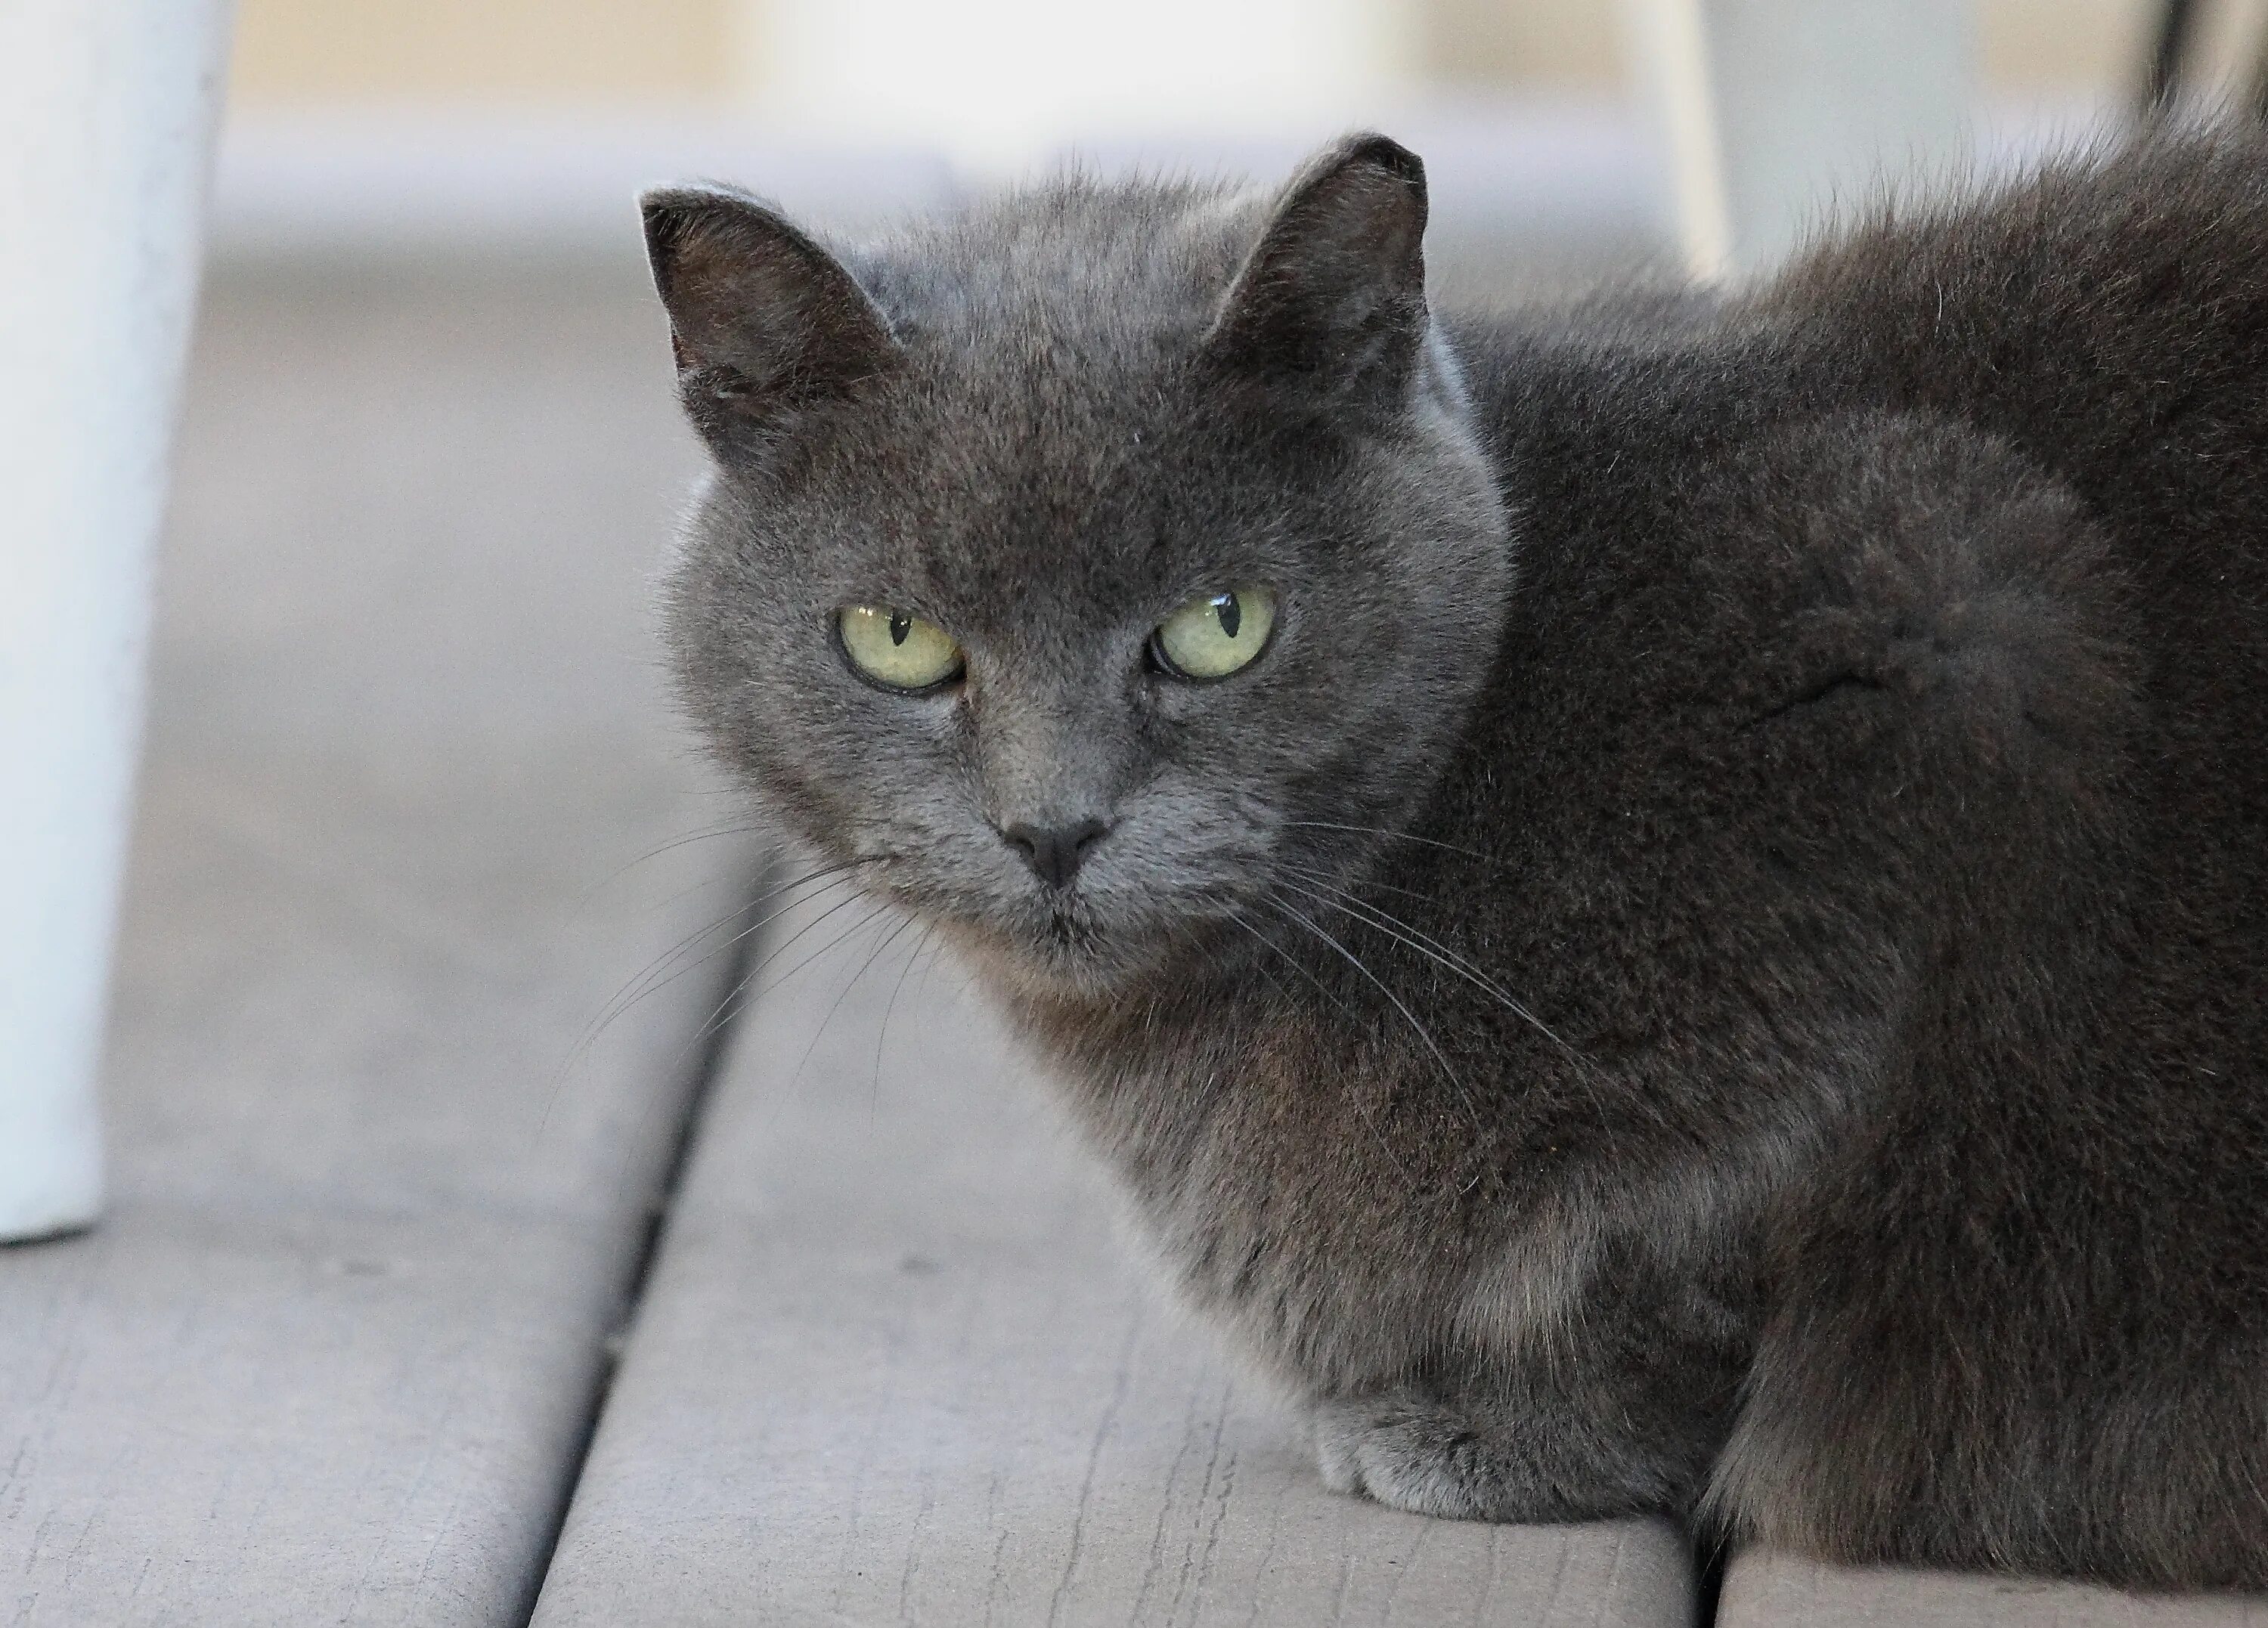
(1930, 560)
(1867, 571)
(1906, 575)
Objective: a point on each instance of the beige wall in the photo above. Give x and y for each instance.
(555, 52)
(2045, 44)
(1572, 44)
(2043, 47)
(684, 53)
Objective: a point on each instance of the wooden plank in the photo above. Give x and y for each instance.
(333, 1356)
(895, 1367)
(1771, 1590)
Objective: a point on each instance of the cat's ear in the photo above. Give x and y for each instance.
(765, 323)
(1333, 296)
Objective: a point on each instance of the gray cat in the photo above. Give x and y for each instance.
(1662, 908)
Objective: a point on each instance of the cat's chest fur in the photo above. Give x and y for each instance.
(1286, 1186)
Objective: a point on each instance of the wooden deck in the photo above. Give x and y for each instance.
(384, 1207)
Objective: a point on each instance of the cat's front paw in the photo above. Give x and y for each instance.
(1410, 1453)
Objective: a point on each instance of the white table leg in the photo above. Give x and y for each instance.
(108, 109)
(1772, 109)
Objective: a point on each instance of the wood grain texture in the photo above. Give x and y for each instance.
(895, 1367)
(332, 1356)
(1770, 1590)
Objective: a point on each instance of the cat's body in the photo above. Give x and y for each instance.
(1723, 972)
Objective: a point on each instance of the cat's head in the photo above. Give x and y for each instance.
(1089, 563)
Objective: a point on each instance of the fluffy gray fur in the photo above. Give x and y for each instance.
(1714, 962)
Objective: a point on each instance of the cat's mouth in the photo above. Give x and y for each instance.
(1060, 949)
(1070, 945)
(1075, 941)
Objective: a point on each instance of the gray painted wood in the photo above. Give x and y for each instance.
(895, 1367)
(1772, 1590)
(332, 1356)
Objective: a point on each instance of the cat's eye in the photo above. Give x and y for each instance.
(1216, 635)
(897, 650)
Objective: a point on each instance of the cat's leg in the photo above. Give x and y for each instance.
(1491, 1458)
(2030, 1368)
(1625, 1420)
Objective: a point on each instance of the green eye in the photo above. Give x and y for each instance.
(1214, 636)
(898, 651)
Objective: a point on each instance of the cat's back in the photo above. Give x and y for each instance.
(2105, 316)
(2106, 312)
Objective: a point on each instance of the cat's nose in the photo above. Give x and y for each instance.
(1054, 852)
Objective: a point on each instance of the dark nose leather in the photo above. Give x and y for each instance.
(1054, 852)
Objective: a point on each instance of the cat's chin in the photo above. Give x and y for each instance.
(1053, 968)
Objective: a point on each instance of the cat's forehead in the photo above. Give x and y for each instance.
(1092, 272)
(1046, 336)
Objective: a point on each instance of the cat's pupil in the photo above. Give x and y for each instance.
(899, 627)
(1230, 613)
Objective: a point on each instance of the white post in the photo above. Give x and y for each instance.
(1771, 108)
(108, 110)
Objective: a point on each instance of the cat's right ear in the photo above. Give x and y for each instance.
(1331, 301)
(766, 324)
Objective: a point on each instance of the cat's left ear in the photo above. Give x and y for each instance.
(765, 323)
(1333, 296)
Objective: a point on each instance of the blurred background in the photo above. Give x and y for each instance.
(527, 122)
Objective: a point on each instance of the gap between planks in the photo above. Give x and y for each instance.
(712, 1044)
